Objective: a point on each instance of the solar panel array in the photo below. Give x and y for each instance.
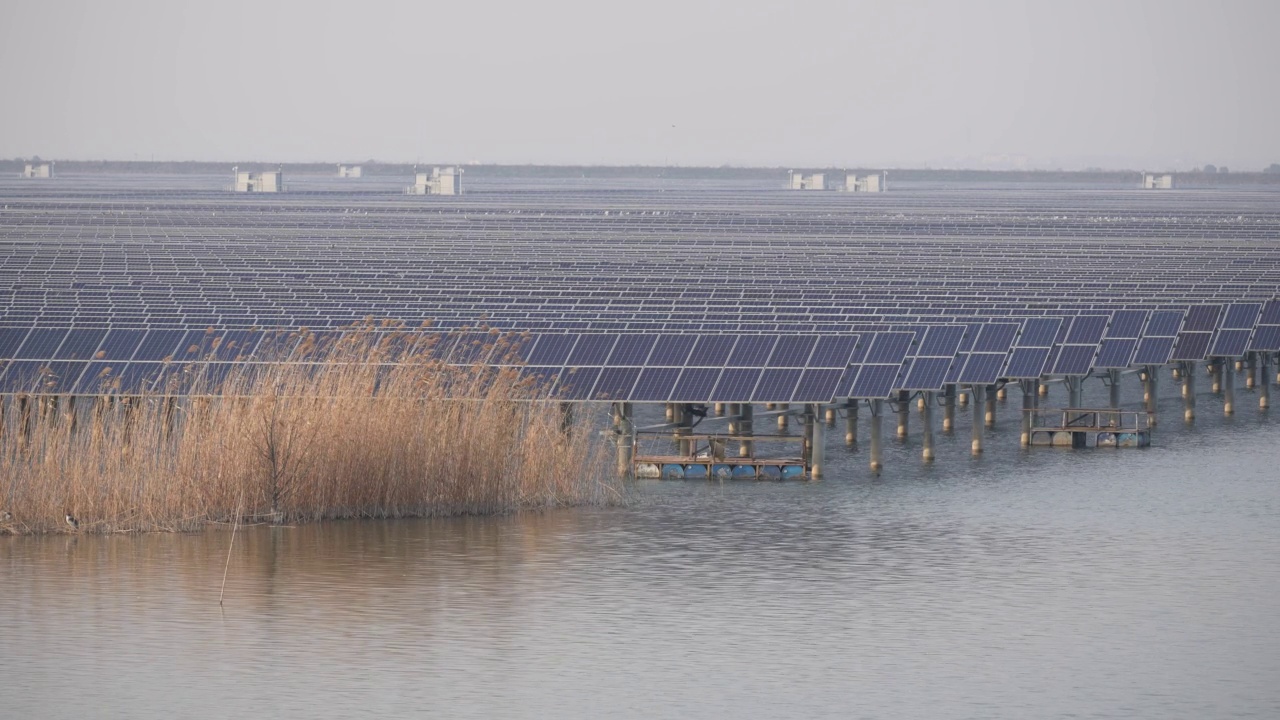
(933, 285)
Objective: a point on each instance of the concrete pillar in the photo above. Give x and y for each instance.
(746, 427)
(818, 454)
(949, 408)
(1251, 371)
(1113, 376)
(851, 423)
(1074, 394)
(809, 419)
(1150, 391)
(920, 402)
(782, 419)
(831, 416)
(1189, 393)
(977, 419)
(877, 413)
(1175, 373)
(1002, 394)
(1264, 388)
(770, 406)
(1215, 367)
(926, 418)
(1229, 389)
(1028, 405)
(735, 421)
(962, 397)
(1044, 390)
(624, 435)
(719, 408)
(990, 395)
(904, 405)
(671, 412)
(1239, 365)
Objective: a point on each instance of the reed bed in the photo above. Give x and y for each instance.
(377, 425)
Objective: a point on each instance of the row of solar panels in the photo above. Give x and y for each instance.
(597, 365)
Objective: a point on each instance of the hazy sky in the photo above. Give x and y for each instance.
(694, 82)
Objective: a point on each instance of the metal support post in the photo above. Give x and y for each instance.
(927, 420)
(977, 419)
(877, 411)
(904, 415)
(949, 408)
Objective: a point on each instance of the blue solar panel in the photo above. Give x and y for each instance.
(632, 350)
(99, 378)
(833, 351)
(41, 343)
(1266, 338)
(1074, 360)
(10, 340)
(655, 384)
(1026, 363)
(1164, 323)
(672, 350)
(982, 368)
(544, 378)
(941, 341)
(996, 337)
(817, 385)
(1231, 343)
(592, 349)
(1192, 346)
(80, 344)
(752, 351)
(712, 350)
(615, 383)
(736, 385)
(1202, 318)
(1116, 353)
(1127, 324)
(695, 385)
(926, 374)
(1087, 329)
(889, 347)
(1153, 351)
(1039, 332)
(875, 382)
(793, 351)
(777, 385)
(576, 383)
(1270, 313)
(1241, 316)
(552, 349)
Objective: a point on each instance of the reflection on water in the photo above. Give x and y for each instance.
(1042, 584)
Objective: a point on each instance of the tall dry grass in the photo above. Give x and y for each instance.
(376, 425)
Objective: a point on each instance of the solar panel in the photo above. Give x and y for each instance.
(982, 368)
(1241, 316)
(1039, 332)
(1127, 324)
(632, 350)
(576, 383)
(592, 349)
(833, 351)
(752, 351)
(712, 350)
(615, 383)
(793, 351)
(1116, 353)
(889, 347)
(1270, 313)
(695, 385)
(996, 337)
(552, 349)
(80, 344)
(941, 341)
(875, 382)
(779, 385)
(1164, 323)
(1026, 363)
(817, 385)
(655, 384)
(672, 350)
(1153, 351)
(1230, 343)
(1087, 329)
(1202, 318)
(1074, 360)
(1191, 346)
(736, 385)
(926, 374)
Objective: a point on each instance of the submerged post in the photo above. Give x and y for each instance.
(624, 434)
(1251, 371)
(851, 422)
(831, 416)
(1229, 389)
(949, 408)
(1114, 377)
(877, 410)
(927, 420)
(818, 454)
(1150, 390)
(1189, 392)
(745, 428)
(1073, 392)
(782, 418)
(977, 419)
(808, 418)
(1028, 401)
(990, 395)
(904, 413)
(1264, 388)
(1215, 367)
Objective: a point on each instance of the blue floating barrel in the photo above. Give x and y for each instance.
(770, 472)
(671, 471)
(790, 472)
(720, 471)
(744, 472)
(695, 472)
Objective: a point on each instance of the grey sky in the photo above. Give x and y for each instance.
(693, 82)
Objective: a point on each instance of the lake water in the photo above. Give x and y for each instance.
(1022, 584)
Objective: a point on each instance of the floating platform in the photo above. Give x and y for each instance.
(673, 467)
(1084, 428)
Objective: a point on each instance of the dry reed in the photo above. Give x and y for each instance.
(376, 425)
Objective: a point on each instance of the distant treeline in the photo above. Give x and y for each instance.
(1184, 179)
